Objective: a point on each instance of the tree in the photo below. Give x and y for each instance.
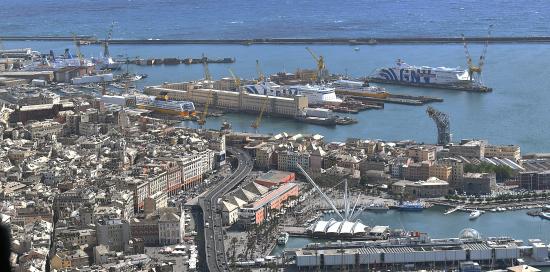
(502, 172)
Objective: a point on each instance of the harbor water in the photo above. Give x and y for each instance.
(516, 112)
(516, 224)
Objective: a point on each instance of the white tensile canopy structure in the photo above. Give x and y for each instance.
(347, 224)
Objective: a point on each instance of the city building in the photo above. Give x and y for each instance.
(432, 187)
(267, 206)
(477, 183)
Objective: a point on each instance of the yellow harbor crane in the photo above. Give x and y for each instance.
(321, 65)
(236, 79)
(258, 120)
(474, 71)
(261, 76)
(77, 44)
(207, 79)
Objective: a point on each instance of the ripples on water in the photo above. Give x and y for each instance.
(272, 18)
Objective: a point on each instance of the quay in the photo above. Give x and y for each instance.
(299, 41)
(175, 61)
(401, 99)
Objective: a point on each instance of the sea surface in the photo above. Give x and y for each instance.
(207, 19)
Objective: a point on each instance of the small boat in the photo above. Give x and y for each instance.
(283, 238)
(475, 214)
(377, 207)
(356, 48)
(411, 206)
(545, 215)
(452, 210)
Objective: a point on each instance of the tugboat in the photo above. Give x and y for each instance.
(283, 238)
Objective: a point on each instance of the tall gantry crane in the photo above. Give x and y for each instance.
(442, 122)
(256, 124)
(106, 52)
(321, 65)
(77, 45)
(235, 78)
(261, 76)
(474, 71)
(207, 79)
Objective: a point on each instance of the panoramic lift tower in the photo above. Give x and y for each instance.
(443, 125)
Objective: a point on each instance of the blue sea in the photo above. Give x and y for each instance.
(273, 19)
(516, 112)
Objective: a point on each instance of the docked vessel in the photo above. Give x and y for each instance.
(475, 214)
(357, 88)
(426, 76)
(316, 94)
(106, 63)
(283, 238)
(180, 108)
(411, 206)
(545, 215)
(377, 207)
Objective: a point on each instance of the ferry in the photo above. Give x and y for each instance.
(426, 76)
(475, 214)
(411, 206)
(545, 215)
(358, 88)
(283, 238)
(180, 108)
(316, 94)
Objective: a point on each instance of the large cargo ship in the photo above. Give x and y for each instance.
(425, 76)
(316, 94)
(180, 108)
(358, 88)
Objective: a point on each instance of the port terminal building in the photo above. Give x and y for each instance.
(231, 100)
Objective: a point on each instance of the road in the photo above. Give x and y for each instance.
(216, 260)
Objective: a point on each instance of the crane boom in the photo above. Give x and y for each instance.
(78, 52)
(256, 123)
(202, 119)
(107, 39)
(235, 78)
(261, 76)
(320, 63)
(207, 76)
(484, 52)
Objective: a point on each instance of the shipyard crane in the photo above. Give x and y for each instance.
(78, 52)
(258, 120)
(107, 39)
(235, 78)
(261, 76)
(207, 79)
(474, 71)
(442, 122)
(321, 66)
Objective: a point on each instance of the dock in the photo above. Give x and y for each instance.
(402, 99)
(175, 61)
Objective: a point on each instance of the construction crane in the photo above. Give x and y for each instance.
(107, 39)
(261, 76)
(474, 71)
(321, 66)
(443, 125)
(206, 71)
(256, 123)
(235, 78)
(78, 52)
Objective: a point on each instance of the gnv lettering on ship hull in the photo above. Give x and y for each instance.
(413, 76)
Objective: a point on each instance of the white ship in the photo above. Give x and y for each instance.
(106, 63)
(180, 108)
(475, 214)
(316, 94)
(358, 88)
(423, 74)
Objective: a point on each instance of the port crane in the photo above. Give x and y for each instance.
(107, 39)
(256, 124)
(261, 76)
(78, 52)
(235, 78)
(321, 65)
(442, 122)
(474, 71)
(207, 79)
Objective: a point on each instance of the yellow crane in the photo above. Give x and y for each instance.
(77, 44)
(106, 52)
(320, 62)
(236, 79)
(207, 79)
(261, 76)
(474, 71)
(256, 123)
